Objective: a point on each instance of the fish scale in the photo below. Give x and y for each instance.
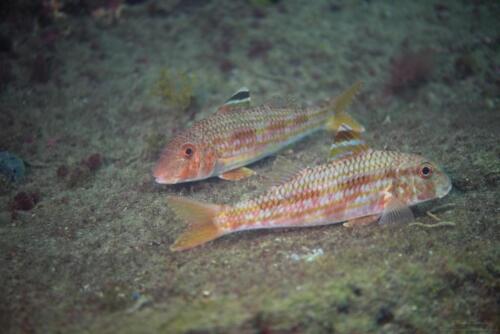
(238, 132)
(313, 191)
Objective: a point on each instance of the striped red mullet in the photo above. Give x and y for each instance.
(222, 144)
(359, 188)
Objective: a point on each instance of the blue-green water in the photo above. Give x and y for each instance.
(90, 91)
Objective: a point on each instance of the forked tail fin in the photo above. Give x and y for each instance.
(200, 220)
(341, 121)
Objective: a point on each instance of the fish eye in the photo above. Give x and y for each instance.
(425, 170)
(188, 151)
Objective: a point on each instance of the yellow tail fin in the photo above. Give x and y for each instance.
(341, 121)
(199, 217)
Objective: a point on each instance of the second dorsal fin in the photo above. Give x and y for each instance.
(347, 143)
(238, 100)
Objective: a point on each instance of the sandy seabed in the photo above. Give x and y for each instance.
(77, 103)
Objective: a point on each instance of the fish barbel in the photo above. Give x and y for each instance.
(237, 135)
(359, 185)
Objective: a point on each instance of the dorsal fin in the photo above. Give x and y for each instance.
(347, 143)
(238, 100)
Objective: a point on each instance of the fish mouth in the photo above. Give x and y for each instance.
(445, 190)
(161, 177)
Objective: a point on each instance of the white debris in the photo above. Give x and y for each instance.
(308, 257)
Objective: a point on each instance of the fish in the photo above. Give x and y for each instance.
(357, 186)
(237, 135)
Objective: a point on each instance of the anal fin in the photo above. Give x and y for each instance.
(237, 174)
(361, 221)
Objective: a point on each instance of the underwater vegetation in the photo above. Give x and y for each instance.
(409, 70)
(465, 66)
(78, 174)
(175, 88)
(264, 3)
(24, 201)
(153, 143)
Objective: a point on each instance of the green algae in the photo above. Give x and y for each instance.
(175, 88)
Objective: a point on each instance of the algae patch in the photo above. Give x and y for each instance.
(175, 88)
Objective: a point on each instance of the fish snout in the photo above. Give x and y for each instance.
(444, 186)
(161, 174)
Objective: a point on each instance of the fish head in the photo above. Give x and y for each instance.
(423, 180)
(184, 159)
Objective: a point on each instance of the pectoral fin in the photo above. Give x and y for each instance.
(361, 221)
(396, 212)
(237, 174)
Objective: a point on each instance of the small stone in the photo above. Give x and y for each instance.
(62, 171)
(136, 295)
(356, 290)
(384, 315)
(343, 307)
(94, 161)
(24, 201)
(465, 184)
(465, 66)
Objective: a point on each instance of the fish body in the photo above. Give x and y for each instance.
(339, 191)
(222, 144)
(358, 188)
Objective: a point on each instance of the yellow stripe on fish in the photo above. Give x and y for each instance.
(238, 135)
(359, 185)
